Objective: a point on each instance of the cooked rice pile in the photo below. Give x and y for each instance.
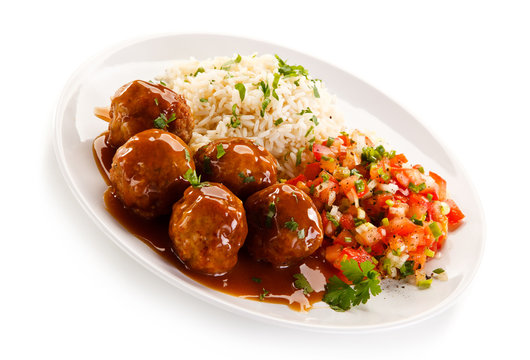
(297, 108)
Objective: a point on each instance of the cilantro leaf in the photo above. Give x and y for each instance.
(220, 151)
(193, 179)
(291, 225)
(242, 90)
(162, 121)
(302, 283)
(246, 179)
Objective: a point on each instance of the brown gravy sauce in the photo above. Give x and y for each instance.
(249, 279)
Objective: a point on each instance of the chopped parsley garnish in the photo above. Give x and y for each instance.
(315, 91)
(263, 294)
(256, 280)
(301, 283)
(192, 178)
(242, 90)
(416, 221)
(332, 218)
(162, 121)
(234, 119)
(297, 82)
(407, 268)
(326, 158)
(309, 131)
(207, 165)
(325, 176)
(246, 179)
(314, 119)
(417, 188)
(438, 271)
(265, 89)
(305, 111)
(278, 121)
(187, 155)
(199, 70)
(270, 214)
(163, 83)
(275, 86)
(301, 234)
(312, 189)
(299, 156)
(365, 280)
(203, 100)
(421, 169)
(226, 66)
(156, 101)
(429, 197)
(220, 151)
(291, 225)
(290, 70)
(264, 105)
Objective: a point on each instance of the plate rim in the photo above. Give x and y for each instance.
(198, 291)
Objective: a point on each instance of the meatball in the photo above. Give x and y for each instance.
(237, 163)
(284, 225)
(136, 106)
(207, 228)
(147, 172)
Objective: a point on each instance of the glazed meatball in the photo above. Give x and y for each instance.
(238, 163)
(136, 106)
(207, 228)
(284, 225)
(147, 172)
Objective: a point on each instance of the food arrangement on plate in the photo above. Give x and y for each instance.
(240, 172)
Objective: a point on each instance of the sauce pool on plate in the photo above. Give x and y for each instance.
(248, 279)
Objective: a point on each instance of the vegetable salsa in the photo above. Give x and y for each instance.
(382, 216)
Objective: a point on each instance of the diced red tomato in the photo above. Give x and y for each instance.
(400, 226)
(418, 206)
(347, 222)
(321, 150)
(398, 160)
(295, 180)
(345, 238)
(312, 170)
(345, 140)
(455, 214)
(360, 255)
(441, 184)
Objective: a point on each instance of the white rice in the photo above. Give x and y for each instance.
(217, 86)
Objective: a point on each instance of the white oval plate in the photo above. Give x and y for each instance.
(363, 107)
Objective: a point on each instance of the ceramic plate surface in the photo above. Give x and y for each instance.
(363, 107)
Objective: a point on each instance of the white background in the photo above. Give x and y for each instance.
(67, 292)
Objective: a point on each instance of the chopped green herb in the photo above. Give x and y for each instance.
(429, 252)
(407, 268)
(341, 297)
(309, 131)
(330, 141)
(332, 218)
(220, 151)
(396, 252)
(191, 177)
(301, 283)
(438, 271)
(326, 158)
(162, 121)
(203, 100)
(256, 280)
(424, 284)
(359, 222)
(199, 70)
(435, 229)
(416, 221)
(278, 121)
(312, 189)
(187, 154)
(234, 119)
(242, 90)
(385, 222)
(315, 91)
(246, 179)
(359, 186)
(263, 294)
(417, 188)
(275, 86)
(264, 105)
(297, 82)
(265, 89)
(306, 111)
(290, 70)
(226, 66)
(314, 119)
(421, 169)
(163, 83)
(156, 101)
(270, 214)
(299, 156)
(291, 225)
(429, 197)
(301, 234)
